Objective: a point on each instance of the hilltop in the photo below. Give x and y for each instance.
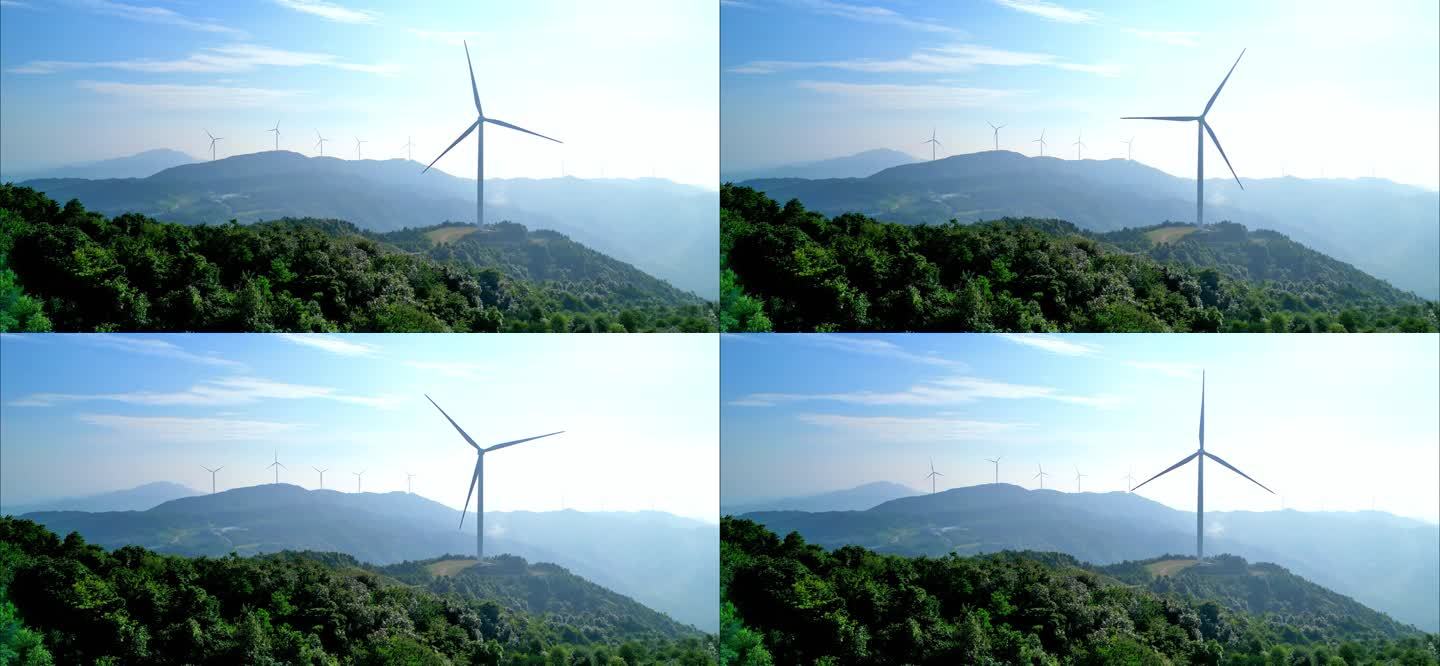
(791, 269)
(77, 603)
(84, 272)
(138, 498)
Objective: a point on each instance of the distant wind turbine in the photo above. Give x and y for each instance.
(409, 143)
(1200, 456)
(408, 478)
(1201, 129)
(933, 143)
(997, 129)
(1041, 141)
(1040, 475)
(932, 476)
(477, 481)
(213, 139)
(479, 125)
(996, 461)
(320, 143)
(277, 466)
(212, 476)
(277, 134)
(1128, 145)
(357, 147)
(358, 475)
(1078, 476)
(1079, 143)
(322, 475)
(1129, 482)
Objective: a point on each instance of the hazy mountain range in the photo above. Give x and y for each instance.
(139, 165)
(858, 498)
(1389, 230)
(858, 165)
(1384, 561)
(663, 561)
(138, 498)
(664, 228)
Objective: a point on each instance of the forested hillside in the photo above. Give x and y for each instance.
(67, 269)
(64, 601)
(789, 269)
(785, 601)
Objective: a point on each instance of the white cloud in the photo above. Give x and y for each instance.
(872, 14)
(912, 429)
(329, 11)
(15, 4)
(875, 346)
(1050, 11)
(950, 391)
(901, 96)
(159, 15)
(332, 344)
(220, 59)
(948, 59)
(1166, 37)
(229, 391)
(172, 96)
(154, 346)
(180, 429)
(1053, 344)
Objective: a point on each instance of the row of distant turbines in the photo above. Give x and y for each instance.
(1079, 142)
(1040, 474)
(277, 466)
(320, 142)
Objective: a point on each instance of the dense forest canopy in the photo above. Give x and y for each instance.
(64, 601)
(785, 601)
(789, 269)
(68, 269)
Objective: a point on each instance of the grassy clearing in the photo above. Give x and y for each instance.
(1168, 567)
(449, 567)
(1168, 234)
(446, 234)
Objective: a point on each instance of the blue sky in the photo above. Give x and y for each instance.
(90, 413)
(1337, 87)
(631, 87)
(1328, 422)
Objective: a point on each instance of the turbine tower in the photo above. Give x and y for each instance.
(1129, 482)
(277, 134)
(358, 474)
(933, 143)
(408, 477)
(1078, 476)
(409, 143)
(1041, 141)
(357, 147)
(321, 142)
(477, 481)
(212, 476)
(1200, 456)
(1201, 129)
(996, 461)
(997, 129)
(322, 475)
(479, 125)
(1040, 475)
(277, 466)
(932, 476)
(1079, 143)
(213, 139)
(1128, 146)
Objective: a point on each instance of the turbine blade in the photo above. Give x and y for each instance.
(473, 479)
(1232, 468)
(473, 90)
(1174, 118)
(522, 129)
(1222, 153)
(453, 423)
(519, 441)
(1222, 84)
(1167, 469)
(442, 154)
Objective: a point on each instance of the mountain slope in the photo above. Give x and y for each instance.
(135, 606)
(1388, 230)
(858, 165)
(665, 228)
(796, 602)
(806, 272)
(1387, 563)
(133, 273)
(139, 165)
(662, 561)
(138, 498)
(858, 498)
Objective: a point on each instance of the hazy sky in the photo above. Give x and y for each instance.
(630, 86)
(1328, 422)
(89, 413)
(1347, 88)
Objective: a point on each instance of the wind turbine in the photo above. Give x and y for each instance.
(478, 479)
(996, 460)
(321, 142)
(1129, 482)
(1128, 146)
(932, 476)
(322, 475)
(997, 129)
(213, 139)
(1201, 129)
(1079, 143)
(277, 466)
(1041, 475)
(479, 124)
(408, 477)
(357, 147)
(1078, 476)
(358, 474)
(1041, 141)
(933, 143)
(1200, 456)
(409, 143)
(277, 134)
(212, 476)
